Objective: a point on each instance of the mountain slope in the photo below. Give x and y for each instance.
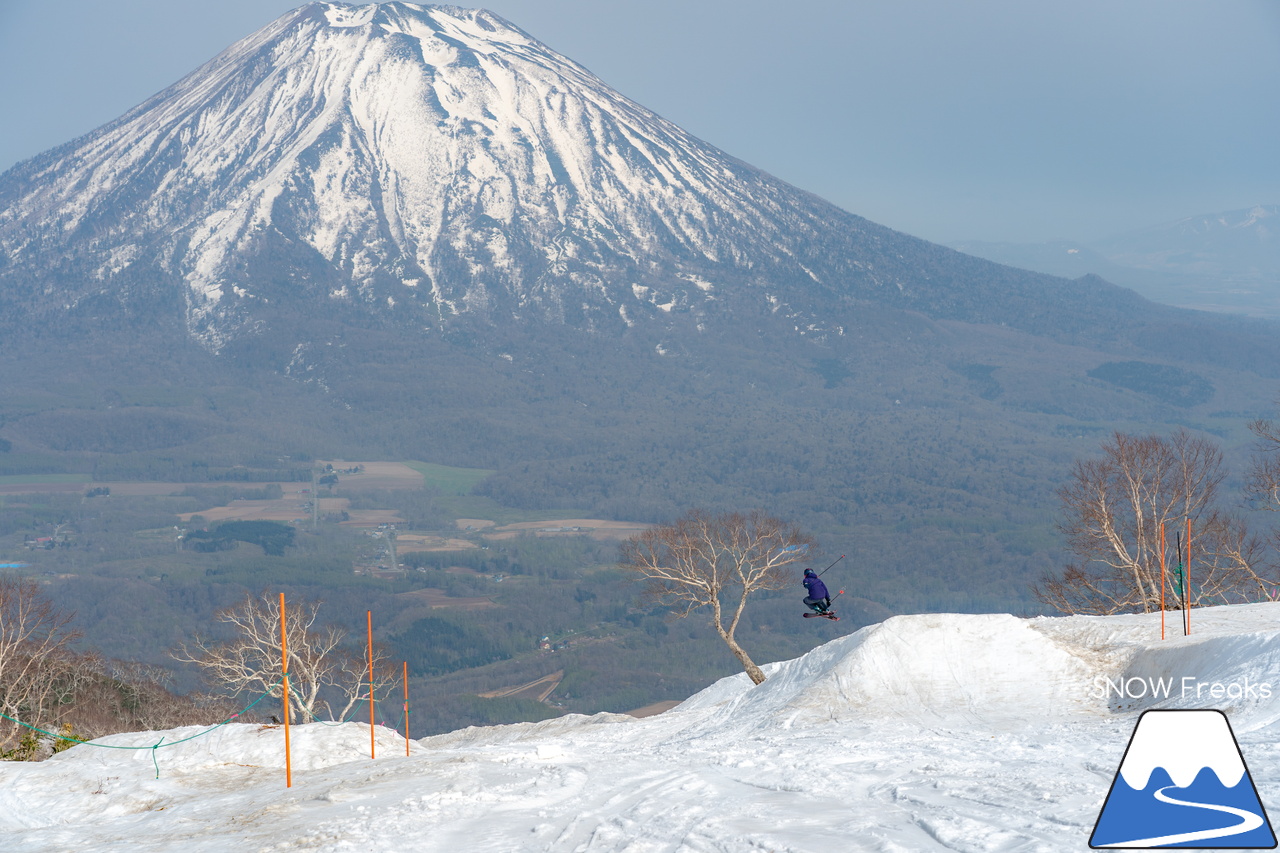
(433, 160)
(430, 163)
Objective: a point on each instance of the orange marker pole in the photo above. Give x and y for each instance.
(369, 617)
(284, 680)
(406, 707)
(1162, 581)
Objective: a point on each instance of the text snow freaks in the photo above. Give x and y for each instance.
(1187, 687)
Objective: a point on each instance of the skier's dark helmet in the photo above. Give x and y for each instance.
(810, 573)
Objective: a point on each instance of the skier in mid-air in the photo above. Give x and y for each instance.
(818, 600)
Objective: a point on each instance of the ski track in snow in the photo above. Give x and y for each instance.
(934, 732)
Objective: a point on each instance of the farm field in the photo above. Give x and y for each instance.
(287, 508)
(408, 542)
(594, 528)
(449, 480)
(372, 475)
(436, 599)
(375, 475)
(293, 505)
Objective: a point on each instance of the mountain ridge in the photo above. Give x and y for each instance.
(1226, 262)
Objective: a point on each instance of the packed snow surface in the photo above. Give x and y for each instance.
(929, 732)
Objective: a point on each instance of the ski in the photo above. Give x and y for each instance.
(829, 614)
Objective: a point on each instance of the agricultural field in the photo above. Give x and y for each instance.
(502, 613)
(438, 599)
(410, 542)
(594, 528)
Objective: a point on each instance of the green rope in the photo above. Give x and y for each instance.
(153, 757)
(403, 717)
(158, 744)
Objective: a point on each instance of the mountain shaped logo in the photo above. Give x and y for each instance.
(1183, 783)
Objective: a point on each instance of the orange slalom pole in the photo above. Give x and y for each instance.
(284, 680)
(369, 617)
(1162, 581)
(406, 707)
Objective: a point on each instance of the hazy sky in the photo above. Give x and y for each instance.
(952, 120)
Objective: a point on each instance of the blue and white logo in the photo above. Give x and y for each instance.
(1183, 783)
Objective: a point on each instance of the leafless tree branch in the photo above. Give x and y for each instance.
(250, 662)
(718, 562)
(1114, 510)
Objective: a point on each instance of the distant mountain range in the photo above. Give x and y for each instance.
(1228, 262)
(416, 232)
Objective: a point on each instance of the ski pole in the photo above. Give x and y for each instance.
(828, 568)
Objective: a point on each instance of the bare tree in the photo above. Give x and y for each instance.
(1114, 508)
(135, 696)
(37, 666)
(250, 662)
(716, 561)
(1262, 486)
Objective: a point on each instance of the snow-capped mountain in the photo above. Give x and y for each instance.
(430, 164)
(431, 161)
(1236, 244)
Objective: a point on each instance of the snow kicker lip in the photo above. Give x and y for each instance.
(935, 666)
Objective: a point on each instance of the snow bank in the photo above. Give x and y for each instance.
(312, 747)
(942, 731)
(944, 666)
(999, 670)
(1230, 661)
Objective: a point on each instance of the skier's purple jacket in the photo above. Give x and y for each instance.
(817, 589)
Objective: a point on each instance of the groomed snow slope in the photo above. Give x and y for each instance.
(931, 732)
